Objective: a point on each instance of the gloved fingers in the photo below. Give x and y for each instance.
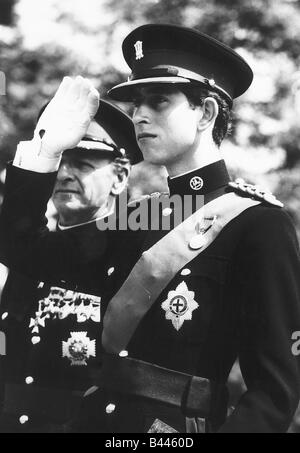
(73, 89)
(88, 101)
(63, 88)
(84, 91)
(58, 100)
(92, 102)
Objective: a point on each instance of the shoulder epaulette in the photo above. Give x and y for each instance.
(240, 187)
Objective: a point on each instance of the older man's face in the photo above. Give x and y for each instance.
(83, 186)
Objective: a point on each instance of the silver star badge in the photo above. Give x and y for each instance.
(180, 305)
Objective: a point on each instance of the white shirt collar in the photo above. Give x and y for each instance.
(106, 214)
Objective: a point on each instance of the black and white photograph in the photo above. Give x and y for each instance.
(149, 219)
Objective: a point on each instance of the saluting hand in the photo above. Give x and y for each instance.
(67, 117)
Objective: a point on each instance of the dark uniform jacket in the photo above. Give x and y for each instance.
(246, 285)
(38, 319)
(52, 338)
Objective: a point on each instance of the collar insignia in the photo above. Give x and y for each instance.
(196, 183)
(180, 305)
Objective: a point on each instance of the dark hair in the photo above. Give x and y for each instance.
(197, 95)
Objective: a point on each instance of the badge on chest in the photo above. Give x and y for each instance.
(179, 305)
(79, 348)
(62, 303)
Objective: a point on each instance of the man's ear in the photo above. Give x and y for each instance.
(122, 173)
(210, 111)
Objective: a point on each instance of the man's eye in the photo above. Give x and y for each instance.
(158, 100)
(84, 166)
(136, 103)
(154, 101)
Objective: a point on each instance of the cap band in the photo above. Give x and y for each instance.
(98, 145)
(95, 145)
(173, 71)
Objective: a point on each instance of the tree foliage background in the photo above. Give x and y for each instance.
(51, 38)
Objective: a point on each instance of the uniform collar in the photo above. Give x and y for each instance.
(201, 181)
(105, 214)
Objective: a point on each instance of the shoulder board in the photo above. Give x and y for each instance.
(147, 197)
(257, 193)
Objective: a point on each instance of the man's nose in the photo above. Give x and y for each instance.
(65, 172)
(141, 114)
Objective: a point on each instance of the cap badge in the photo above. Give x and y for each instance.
(196, 183)
(79, 348)
(139, 50)
(180, 305)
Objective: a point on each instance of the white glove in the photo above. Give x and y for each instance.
(67, 117)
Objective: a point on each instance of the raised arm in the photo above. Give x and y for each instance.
(26, 243)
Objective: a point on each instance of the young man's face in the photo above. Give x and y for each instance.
(83, 185)
(165, 124)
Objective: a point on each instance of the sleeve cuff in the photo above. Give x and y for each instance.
(28, 158)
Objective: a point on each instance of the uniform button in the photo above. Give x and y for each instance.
(110, 408)
(123, 354)
(167, 211)
(110, 271)
(4, 316)
(35, 340)
(185, 272)
(23, 419)
(29, 380)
